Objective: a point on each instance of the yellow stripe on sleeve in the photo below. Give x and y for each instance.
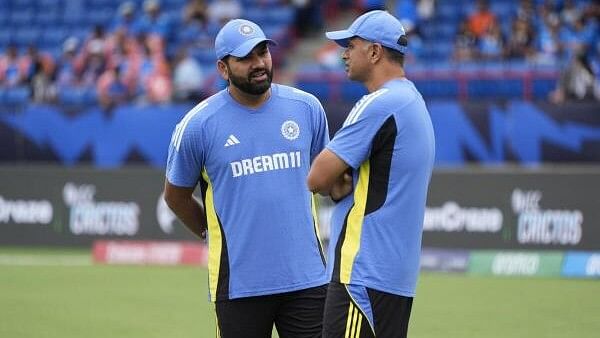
(354, 224)
(215, 242)
(316, 220)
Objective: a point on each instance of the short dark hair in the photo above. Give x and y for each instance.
(394, 56)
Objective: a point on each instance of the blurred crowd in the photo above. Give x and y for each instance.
(147, 55)
(559, 34)
(143, 55)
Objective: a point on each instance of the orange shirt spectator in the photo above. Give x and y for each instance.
(482, 19)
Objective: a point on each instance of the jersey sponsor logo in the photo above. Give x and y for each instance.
(290, 130)
(231, 141)
(264, 163)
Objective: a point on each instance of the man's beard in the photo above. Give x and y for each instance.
(246, 85)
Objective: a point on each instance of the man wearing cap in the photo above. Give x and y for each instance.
(249, 148)
(377, 167)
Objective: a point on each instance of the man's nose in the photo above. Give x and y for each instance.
(257, 61)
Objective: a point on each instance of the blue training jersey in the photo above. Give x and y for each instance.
(252, 166)
(388, 140)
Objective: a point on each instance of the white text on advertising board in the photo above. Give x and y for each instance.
(89, 217)
(516, 264)
(451, 217)
(25, 211)
(545, 226)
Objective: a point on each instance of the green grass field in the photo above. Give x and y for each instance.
(45, 293)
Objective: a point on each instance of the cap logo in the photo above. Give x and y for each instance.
(246, 29)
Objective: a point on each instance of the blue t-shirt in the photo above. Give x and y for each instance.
(388, 140)
(252, 166)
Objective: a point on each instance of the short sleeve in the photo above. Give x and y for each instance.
(320, 136)
(186, 156)
(353, 142)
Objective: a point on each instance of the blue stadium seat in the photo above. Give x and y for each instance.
(320, 89)
(49, 4)
(503, 10)
(5, 37)
(256, 14)
(448, 10)
(53, 36)
(100, 16)
(281, 15)
(27, 36)
(173, 4)
(16, 96)
(22, 4)
(21, 17)
(48, 18)
(442, 88)
(352, 91)
(4, 17)
(204, 55)
(78, 97)
(496, 88)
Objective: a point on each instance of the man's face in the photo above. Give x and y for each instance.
(253, 73)
(356, 60)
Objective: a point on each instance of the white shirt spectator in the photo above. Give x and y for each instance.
(221, 11)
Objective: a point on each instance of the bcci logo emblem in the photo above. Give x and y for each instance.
(290, 130)
(246, 29)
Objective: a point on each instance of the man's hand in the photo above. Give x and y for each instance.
(342, 187)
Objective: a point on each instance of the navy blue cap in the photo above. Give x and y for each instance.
(375, 26)
(238, 37)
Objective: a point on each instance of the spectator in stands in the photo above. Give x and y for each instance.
(196, 10)
(94, 63)
(308, 17)
(577, 81)
(549, 44)
(153, 22)
(328, 57)
(188, 78)
(578, 37)
(66, 71)
(406, 11)
(491, 43)
(464, 43)
(570, 13)
(40, 71)
(221, 11)
(113, 89)
(196, 28)
(12, 74)
(526, 11)
(126, 18)
(416, 42)
(425, 10)
(153, 75)
(521, 39)
(481, 19)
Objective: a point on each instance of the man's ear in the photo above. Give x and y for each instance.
(223, 70)
(376, 52)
